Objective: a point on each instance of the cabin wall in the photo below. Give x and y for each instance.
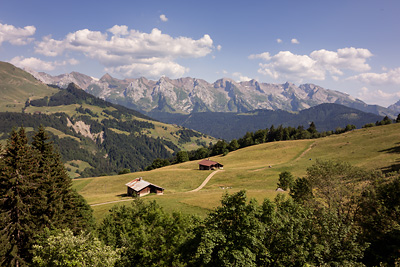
(144, 191)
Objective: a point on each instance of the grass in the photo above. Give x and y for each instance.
(255, 169)
(61, 134)
(82, 165)
(17, 86)
(167, 132)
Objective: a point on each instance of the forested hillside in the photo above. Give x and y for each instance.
(93, 136)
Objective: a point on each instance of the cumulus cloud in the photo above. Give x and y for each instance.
(265, 56)
(288, 66)
(390, 77)
(240, 77)
(377, 96)
(40, 65)
(163, 18)
(346, 58)
(119, 30)
(219, 47)
(294, 41)
(16, 36)
(129, 51)
(167, 68)
(279, 41)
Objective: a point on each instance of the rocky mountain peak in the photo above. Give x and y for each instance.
(224, 82)
(106, 78)
(196, 95)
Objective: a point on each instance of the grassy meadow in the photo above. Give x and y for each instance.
(255, 169)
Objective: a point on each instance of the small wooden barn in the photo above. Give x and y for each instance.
(140, 187)
(208, 164)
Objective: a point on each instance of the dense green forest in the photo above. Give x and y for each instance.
(336, 215)
(124, 151)
(111, 151)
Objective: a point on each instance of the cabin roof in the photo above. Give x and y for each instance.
(138, 184)
(207, 162)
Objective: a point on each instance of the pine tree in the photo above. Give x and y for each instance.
(55, 182)
(19, 195)
(64, 208)
(35, 193)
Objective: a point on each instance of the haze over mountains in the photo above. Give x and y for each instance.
(190, 95)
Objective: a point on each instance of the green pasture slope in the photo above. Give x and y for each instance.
(254, 169)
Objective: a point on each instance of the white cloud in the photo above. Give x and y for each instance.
(377, 96)
(163, 18)
(294, 41)
(124, 50)
(156, 69)
(219, 47)
(265, 56)
(119, 30)
(16, 36)
(240, 77)
(279, 41)
(288, 66)
(346, 58)
(40, 65)
(391, 77)
(292, 67)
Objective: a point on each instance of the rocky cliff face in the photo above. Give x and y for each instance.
(187, 95)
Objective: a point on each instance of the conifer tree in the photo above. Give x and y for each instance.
(35, 193)
(19, 196)
(64, 207)
(55, 182)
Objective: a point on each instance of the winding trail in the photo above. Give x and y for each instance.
(204, 182)
(191, 191)
(305, 151)
(110, 202)
(296, 159)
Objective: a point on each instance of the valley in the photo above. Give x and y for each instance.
(103, 146)
(249, 169)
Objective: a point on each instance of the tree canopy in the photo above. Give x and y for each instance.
(35, 194)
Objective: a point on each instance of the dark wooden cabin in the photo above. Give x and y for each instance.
(140, 187)
(207, 164)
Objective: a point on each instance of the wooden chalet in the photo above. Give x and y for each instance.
(208, 164)
(140, 187)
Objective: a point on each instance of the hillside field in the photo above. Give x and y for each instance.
(255, 169)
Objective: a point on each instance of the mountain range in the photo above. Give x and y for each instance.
(94, 136)
(191, 95)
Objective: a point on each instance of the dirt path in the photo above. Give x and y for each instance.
(204, 182)
(110, 202)
(305, 151)
(194, 190)
(296, 159)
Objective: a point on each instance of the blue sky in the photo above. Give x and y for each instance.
(349, 46)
